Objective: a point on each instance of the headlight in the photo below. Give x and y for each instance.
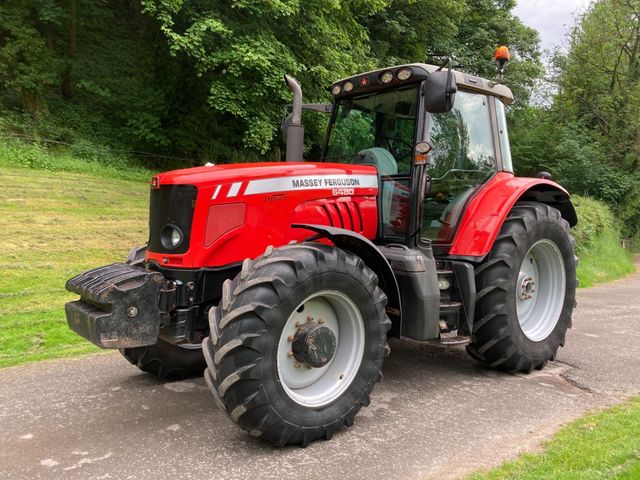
(348, 87)
(336, 89)
(404, 74)
(386, 77)
(171, 237)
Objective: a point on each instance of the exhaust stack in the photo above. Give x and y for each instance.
(295, 129)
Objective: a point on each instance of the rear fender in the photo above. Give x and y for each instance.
(488, 209)
(373, 258)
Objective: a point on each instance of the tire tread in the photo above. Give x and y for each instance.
(239, 322)
(493, 342)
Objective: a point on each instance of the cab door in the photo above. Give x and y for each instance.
(463, 157)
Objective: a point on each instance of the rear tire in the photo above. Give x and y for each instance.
(252, 370)
(526, 291)
(167, 361)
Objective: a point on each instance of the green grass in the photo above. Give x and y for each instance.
(80, 158)
(54, 225)
(604, 445)
(602, 258)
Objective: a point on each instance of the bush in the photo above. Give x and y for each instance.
(594, 218)
(579, 160)
(79, 158)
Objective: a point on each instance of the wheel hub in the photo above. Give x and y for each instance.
(314, 345)
(527, 287)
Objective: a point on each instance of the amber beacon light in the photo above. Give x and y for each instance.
(502, 56)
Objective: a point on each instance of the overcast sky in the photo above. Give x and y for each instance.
(551, 18)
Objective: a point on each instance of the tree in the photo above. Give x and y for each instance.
(204, 78)
(590, 137)
(600, 80)
(29, 63)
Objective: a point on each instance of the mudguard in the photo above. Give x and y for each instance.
(488, 209)
(369, 253)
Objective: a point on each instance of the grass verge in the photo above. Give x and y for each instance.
(603, 445)
(55, 225)
(80, 158)
(602, 258)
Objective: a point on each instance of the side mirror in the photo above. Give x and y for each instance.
(440, 91)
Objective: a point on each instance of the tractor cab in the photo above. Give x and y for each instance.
(383, 118)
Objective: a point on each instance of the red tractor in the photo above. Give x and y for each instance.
(284, 280)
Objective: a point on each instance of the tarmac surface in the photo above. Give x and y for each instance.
(436, 414)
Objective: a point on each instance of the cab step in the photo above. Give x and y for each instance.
(450, 306)
(454, 340)
(452, 337)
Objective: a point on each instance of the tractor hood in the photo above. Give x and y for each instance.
(219, 174)
(226, 213)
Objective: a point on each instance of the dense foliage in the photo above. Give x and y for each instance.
(203, 79)
(589, 138)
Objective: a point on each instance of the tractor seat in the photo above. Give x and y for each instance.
(379, 158)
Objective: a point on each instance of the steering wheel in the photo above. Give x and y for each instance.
(399, 146)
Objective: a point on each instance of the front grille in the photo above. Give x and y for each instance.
(171, 204)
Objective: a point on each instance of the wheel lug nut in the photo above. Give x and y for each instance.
(289, 354)
(290, 338)
(320, 321)
(298, 324)
(309, 318)
(296, 365)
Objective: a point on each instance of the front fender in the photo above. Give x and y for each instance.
(373, 258)
(488, 209)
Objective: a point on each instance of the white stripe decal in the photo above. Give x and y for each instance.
(310, 182)
(235, 188)
(216, 192)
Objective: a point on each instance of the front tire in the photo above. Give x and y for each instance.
(526, 291)
(164, 360)
(297, 343)
(167, 361)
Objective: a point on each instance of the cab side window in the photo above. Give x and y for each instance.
(463, 157)
(462, 138)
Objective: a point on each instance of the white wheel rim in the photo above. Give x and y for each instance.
(315, 387)
(540, 290)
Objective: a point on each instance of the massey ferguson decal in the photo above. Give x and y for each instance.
(312, 182)
(327, 182)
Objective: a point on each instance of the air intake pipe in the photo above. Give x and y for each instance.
(295, 129)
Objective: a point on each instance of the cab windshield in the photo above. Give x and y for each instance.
(376, 129)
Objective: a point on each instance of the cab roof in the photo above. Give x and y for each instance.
(371, 81)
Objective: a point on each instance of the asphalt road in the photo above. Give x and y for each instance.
(437, 414)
